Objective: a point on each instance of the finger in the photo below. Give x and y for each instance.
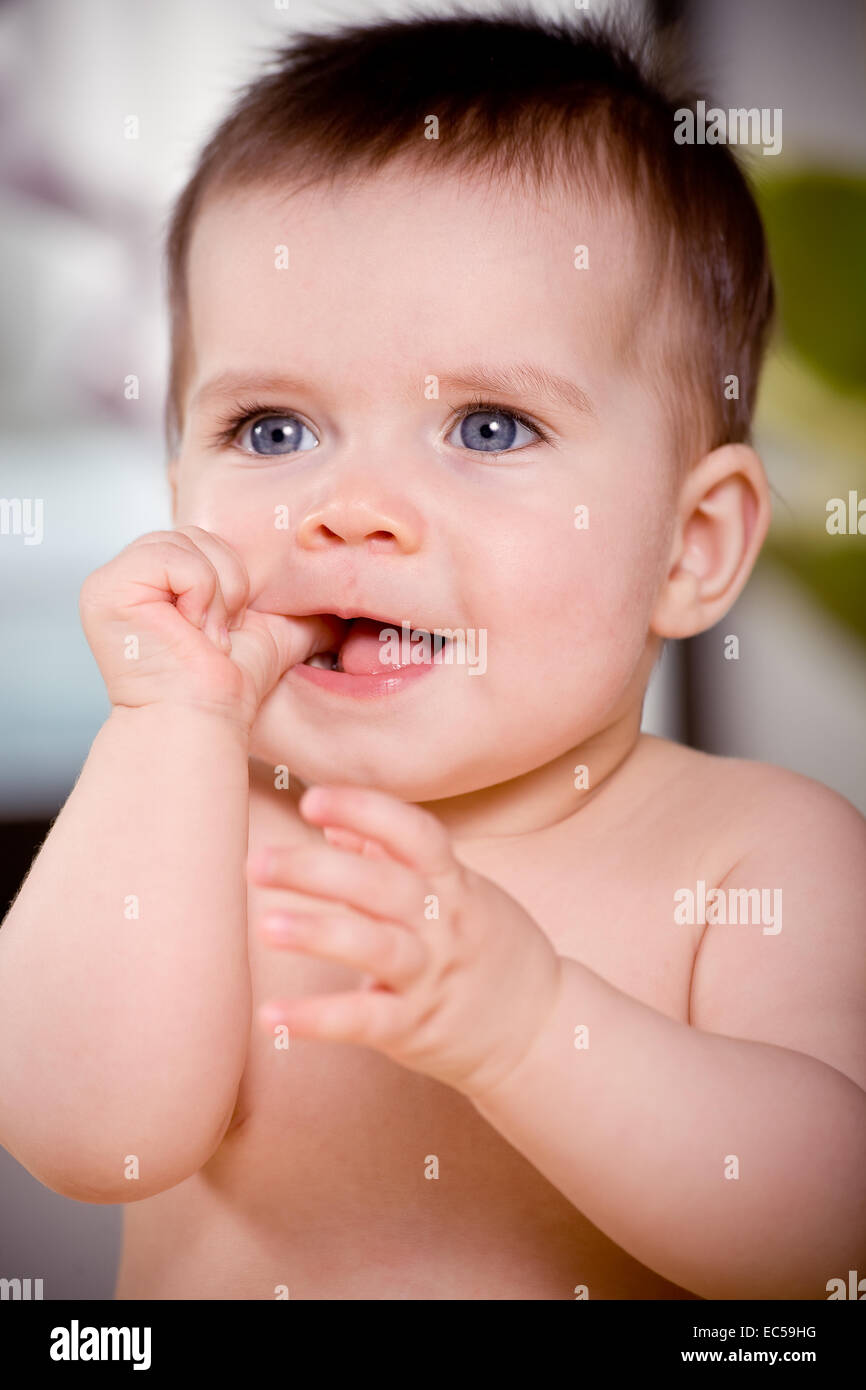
(412, 836)
(373, 850)
(297, 639)
(234, 579)
(355, 844)
(380, 888)
(187, 574)
(391, 953)
(371, 1018)
(344, 839)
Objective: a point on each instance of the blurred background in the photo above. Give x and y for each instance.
(84, 196)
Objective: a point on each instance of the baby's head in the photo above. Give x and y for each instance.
(463, 338)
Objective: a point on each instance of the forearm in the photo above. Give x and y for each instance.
(124, 975)
(642, 1129)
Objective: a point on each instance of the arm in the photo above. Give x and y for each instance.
(124, 974)
(637, 1129)
(100, 1008)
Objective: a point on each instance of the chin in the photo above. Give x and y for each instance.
(428, 775)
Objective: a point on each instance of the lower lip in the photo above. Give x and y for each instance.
(363, 687)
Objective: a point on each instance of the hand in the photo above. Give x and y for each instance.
(460, 978)
(183, 597)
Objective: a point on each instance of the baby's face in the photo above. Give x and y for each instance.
(366, 492)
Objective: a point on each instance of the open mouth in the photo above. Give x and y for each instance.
(377, 646)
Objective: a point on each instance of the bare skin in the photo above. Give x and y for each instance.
(319, 1185)
(246, 1169)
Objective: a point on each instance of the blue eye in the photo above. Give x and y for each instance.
(493, 431)
(486, 428)
(278, 434)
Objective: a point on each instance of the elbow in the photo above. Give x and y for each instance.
(113, 1178)
(99, 1189)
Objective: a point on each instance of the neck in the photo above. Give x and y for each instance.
(534, 801)
(546, 795)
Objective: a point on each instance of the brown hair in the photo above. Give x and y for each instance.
(517, 95)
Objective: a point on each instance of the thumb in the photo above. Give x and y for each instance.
(299, 638)
(279, 643)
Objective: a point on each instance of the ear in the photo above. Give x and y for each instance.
(723, 513)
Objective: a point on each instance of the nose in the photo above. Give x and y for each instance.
(395, 525)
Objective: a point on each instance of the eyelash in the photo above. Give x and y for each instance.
(247, 411)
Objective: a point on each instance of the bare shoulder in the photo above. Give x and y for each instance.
(757, 807)
(781, 958)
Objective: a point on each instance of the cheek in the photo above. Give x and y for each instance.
(199, 501)
(230, 508)
(524, 574)
(555, 588)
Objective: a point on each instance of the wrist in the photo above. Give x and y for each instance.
(508, 1079)
(171, 714)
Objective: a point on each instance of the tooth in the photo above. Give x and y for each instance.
(324, 659)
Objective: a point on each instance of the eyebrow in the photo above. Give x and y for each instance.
(231, 383)
(523, 378)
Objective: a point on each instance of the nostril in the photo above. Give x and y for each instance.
(350, 529)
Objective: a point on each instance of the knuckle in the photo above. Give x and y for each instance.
(92, 587)
(426, 1028)
(382, 1025)
(341, 933)
(390, 953)
(190, 538)
(233, 590)
(237, 570)
(151, 538)
(234, 576)
(98, 590)
(162, 543)
(161, 549)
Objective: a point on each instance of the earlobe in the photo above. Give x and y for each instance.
(723, 514)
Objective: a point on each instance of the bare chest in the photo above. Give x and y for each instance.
(346, 1175)
(612, 910)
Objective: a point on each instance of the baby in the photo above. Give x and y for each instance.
(376, 953)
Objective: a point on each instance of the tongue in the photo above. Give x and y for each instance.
(361, 651)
